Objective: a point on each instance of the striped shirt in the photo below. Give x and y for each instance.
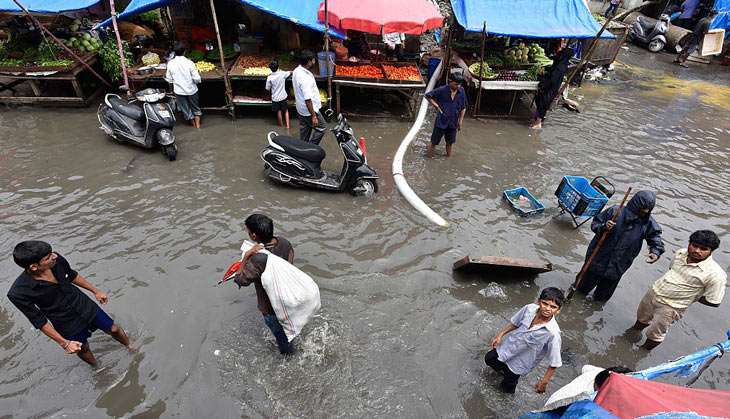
(686, 283)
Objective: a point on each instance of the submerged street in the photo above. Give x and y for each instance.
(399, 334)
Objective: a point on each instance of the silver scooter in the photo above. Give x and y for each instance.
(653, 36)
(146, 121)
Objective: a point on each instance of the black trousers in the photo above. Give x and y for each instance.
(509, 382)
(605, 287)
(310, 133)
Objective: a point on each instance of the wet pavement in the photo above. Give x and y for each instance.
(399, 334)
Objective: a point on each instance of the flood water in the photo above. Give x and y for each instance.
(399, 334)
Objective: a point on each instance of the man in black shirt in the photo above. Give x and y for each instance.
(261, 230)
(48, 294)
(695, 38)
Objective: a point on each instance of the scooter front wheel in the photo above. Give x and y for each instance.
(364, 187)
(656, 45)
(170, 151)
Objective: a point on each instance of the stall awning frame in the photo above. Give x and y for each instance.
(300, 12)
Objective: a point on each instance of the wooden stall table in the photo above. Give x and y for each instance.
(137, 81)
(42, 81)
(408, 89)
(507, 85)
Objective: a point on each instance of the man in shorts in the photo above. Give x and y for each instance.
(276, 84)
(48, 294)
(184, 77)
(450, 102)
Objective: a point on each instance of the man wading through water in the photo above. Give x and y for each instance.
(261, 230)
(623, 243)
(450, 102)
(312, 125)
(48, 294)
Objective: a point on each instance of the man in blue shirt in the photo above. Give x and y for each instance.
(450, 102)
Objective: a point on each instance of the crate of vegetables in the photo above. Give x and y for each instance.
(402, 73)
(354, 71)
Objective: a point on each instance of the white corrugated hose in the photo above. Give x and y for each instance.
(400, 180)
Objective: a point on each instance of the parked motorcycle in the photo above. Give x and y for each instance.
(643, 32)
(296, 162)
(146, 121)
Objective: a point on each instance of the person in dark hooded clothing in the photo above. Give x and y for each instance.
(623, 243)
(550, 84)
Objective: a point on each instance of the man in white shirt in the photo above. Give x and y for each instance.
(692, 277)
(276, 84)
(184, 76)
(312, 125)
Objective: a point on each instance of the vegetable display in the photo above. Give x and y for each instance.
(359, 71)
(204, 66)
(109, 56)
(257, 71)
(533, 74)
(246, 61)
(229, 52)
(409, 73)
(150, 59)
(195, 56)
(487, 72)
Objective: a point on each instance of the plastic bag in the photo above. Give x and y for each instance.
(293, 294)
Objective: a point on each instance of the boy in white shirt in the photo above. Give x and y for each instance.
(184, 76)
(276, 84)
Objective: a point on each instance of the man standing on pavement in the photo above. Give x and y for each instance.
(48, 294)
(312, 125)
(623, 243)
(687, 12)
(184, 77)
(695, 38)
(450, 102)
(261, 230)
(693, 277)
(612, 8)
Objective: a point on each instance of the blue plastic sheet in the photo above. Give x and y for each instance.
(582, 409)
(46, 6)
(528, 18)
(686, 365)
(722, 20)
(301, 12)
(136, 7)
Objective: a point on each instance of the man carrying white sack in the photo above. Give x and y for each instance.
(267, 265)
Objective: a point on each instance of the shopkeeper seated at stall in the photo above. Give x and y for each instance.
(358, 46)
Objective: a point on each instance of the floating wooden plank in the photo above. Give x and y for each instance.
(485, 263)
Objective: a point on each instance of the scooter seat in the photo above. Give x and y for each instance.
(131, 111)
(302, 149)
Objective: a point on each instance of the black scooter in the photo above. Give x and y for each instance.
(147, 125)
(296, 162)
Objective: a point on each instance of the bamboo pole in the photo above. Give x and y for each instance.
(594, 43)
(327, 50)
(478, 105)
(120, 48)
(61, 44)
(446, 59)
(226, 81)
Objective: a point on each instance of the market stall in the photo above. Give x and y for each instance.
(378, 69)
(57, 65)
(512, 39)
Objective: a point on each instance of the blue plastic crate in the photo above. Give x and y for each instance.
(513, 197)
(578, 197)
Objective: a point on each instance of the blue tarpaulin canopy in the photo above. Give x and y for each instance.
(46, 6)
(301, 12)
(136, 7)
(528, 18)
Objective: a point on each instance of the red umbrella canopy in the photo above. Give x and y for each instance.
(375, 16)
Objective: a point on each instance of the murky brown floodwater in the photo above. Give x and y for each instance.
(399, 335)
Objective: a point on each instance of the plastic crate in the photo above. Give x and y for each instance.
(578, 197)
(513, 197)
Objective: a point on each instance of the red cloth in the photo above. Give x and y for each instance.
(628, 397)
(375, 16)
